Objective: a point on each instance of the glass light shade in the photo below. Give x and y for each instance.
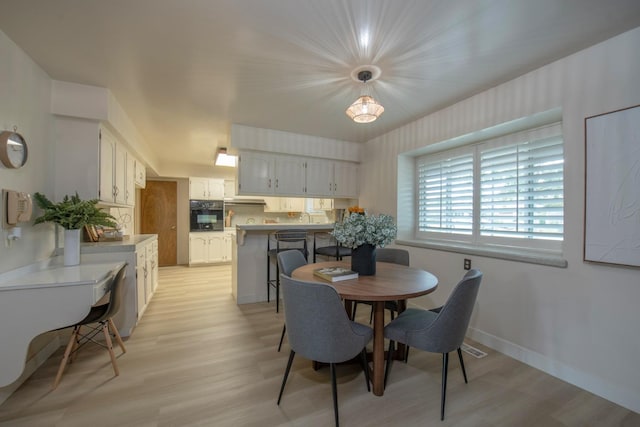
(224, 159)
(365, 110)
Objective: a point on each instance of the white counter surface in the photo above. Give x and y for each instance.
(127, 245)
(285, 226)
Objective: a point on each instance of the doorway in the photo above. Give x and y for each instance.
(158, 215)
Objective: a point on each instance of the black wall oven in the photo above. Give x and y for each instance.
(206, 215)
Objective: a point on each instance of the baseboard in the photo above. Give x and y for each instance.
(625, 397)
(30, 367)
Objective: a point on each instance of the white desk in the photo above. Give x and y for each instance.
(43, 297)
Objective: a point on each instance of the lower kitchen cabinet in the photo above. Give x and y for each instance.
(209, 247)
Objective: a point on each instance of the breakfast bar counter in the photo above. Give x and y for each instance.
(249, 267)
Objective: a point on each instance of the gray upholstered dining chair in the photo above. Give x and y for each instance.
(392, 255)
(437, 331)
(319, 329)
(287, 262)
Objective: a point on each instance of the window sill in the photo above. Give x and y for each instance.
(506, 253)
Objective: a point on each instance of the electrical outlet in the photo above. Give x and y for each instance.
(467, 264)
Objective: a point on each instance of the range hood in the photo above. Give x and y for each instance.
(246, 202)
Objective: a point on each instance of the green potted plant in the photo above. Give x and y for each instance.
(72, 214)
(363, 233)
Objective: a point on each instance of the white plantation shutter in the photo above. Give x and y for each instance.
(521, 190)
(445, 199)
(506, 191)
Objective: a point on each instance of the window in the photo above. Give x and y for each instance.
(504, 191)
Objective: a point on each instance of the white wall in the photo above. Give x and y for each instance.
(24, 102)
(578, 323)
(25, 92)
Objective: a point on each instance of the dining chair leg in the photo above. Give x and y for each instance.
(284, 330)
(445, 366)
(277, 289)
(268, 274)
(353, 314)
(109, 344)
(286, 374)
(76, 345)
(65, 358)
(406, 353)
(116, 334)
(389, 359)
(334, 392)
(365, 367)
(464, 373)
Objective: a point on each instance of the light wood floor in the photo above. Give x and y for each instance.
(198, 359)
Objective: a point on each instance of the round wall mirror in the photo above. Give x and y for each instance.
(13, 149)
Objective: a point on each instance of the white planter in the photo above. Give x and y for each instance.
(72, 247)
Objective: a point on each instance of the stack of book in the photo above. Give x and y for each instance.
(335, 274)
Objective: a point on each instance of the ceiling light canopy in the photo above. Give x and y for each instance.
(224, 159)
(365, 109)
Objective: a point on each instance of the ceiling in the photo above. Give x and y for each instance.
(184, 70)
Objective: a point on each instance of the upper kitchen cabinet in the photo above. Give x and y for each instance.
(92, 162)
(206, 188)
(116, 184)
(262, 173)
(140, 172)
(331, 178)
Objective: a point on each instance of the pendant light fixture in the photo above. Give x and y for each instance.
(365, 109)
(224, 159)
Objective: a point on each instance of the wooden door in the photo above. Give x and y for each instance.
(159, 216)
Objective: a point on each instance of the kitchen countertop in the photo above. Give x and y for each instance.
(126, 245)
(285, 226)
(243, 229)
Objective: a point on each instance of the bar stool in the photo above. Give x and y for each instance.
(330, 246)
(283, 240)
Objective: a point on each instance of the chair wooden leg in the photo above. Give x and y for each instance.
(107, 338)
(286, 374)
(76, 342)
(464, 373)
(445, 366)
(334, 392)
(116, 334)
(353, 314)
(65, 358)
(284, 330)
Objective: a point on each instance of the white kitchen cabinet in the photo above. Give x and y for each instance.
(284, 204)
(130, 181)
(116, 172)
(206, 188)
(332, 178)
(151, 259)
(270, 174)
(345, 180)
(209, 248)
(263, 173)
(140, 172)
(322, 204)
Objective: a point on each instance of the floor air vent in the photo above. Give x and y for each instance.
(472, 351)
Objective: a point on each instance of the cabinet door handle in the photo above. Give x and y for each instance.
(269, 182)
(276, 183)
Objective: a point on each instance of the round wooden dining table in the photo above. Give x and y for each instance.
(391, 282)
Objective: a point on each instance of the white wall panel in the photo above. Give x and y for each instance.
(578, 323)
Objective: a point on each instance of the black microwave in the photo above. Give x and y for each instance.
(206, 215)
